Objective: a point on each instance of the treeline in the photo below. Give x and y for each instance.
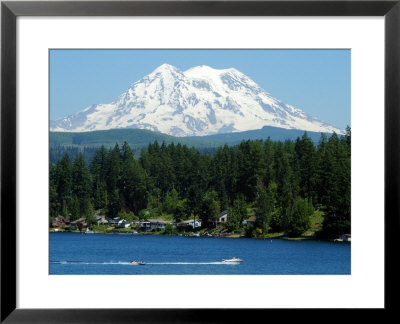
(282, 182)
(57, 152)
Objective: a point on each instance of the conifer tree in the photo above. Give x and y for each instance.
(211, 207)
(74, 208)
(63, 181)
(305, 156)
(133, 184)
(81, 182)
(237, 214)
(299, 219)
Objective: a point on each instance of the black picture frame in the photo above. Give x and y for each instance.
(10, 10)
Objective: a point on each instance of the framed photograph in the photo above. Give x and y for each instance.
(162, 161)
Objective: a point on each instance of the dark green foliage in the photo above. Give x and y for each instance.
(88, 142)
(297, 219)
(305, 165)
(252, 168)
(237, 213)
(81, 179)
(140, 138)
(283, 175)
(74, 208)
(81, 185)
(171, 201)
(113, 168)
(54, 204)
(114, 203)
(277, 221)
(335, 224)
(133, 181)
(88, 212)
(170, 230)
(265, 206)
(100, 196)
(63, 179)
(181, 211)
(278, 181)
(211, 207)
(176, 206)
(57, 152)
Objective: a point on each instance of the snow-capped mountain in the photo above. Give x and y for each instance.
(199, 101)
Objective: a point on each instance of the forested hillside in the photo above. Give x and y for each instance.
(88, 142)
(282, 183)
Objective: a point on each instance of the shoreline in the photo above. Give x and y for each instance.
(233, 236)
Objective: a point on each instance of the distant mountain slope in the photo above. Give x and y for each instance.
(197, 102)
(138, 138)
(275, 133)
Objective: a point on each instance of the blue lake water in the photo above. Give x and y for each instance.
(105, 254)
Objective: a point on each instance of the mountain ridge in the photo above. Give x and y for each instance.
(200, 101)
(137, 138)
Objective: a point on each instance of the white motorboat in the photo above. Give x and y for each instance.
(233, 261)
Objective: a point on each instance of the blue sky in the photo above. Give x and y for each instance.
(316, 81)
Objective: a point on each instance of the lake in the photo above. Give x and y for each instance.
(110, 254)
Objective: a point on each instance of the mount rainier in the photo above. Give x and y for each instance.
(196, 102)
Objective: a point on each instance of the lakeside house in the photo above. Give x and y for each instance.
(159, 225)
(220, 220)
(101, 220)
(154, 224)
(346, 238)
(190, 223)
(75, 224)
(119, 222)
(145, 226)
(59, 221)
(249, 221)
(114, 221)
(135, 223)
(123, 224)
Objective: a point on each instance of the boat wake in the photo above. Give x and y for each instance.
(84, 262)
(128, 263)
(185, 263)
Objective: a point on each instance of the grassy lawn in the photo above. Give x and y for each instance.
(127, 230)
(273, 235)
(316, 223)
(100, 228)
(164, 217)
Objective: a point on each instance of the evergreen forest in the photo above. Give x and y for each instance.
(278, 183)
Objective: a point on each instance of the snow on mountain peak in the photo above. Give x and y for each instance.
(199, 101)
(166, 68)
(206, 71)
